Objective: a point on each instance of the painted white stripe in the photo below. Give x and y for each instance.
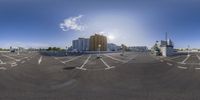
(40, 60)
(197, 68)
(3, 68)
(13, 64)
(183, 62)
(108, 67)
(71, 59)
(23, 62)
(169, 64)
(1, 62)
(86, 61)
(198, 57)
(182, 67)
(114, 58)
(24, 58)
(11, 58)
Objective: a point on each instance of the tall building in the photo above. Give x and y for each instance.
(96, 41)
(81, 44)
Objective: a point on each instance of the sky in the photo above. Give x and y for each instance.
(43, 23)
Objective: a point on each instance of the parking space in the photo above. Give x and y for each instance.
(9, 60)
(189, 62)
(193, 59)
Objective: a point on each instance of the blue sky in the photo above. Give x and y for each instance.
(43, 23)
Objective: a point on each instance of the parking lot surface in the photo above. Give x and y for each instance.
(134, 76)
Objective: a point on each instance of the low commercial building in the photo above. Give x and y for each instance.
(113, 47)
(164, 48)
(138, 48)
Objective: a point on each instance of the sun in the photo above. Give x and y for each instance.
(111, 37)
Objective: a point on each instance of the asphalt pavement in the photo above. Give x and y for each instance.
(134, 76)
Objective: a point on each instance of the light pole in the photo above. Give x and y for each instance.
(188, 50)
(66, 50)
(99, 49)
(18, 51)
(123, 50)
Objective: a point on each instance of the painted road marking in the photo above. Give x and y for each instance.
(132, 58)
(197, 68)
(40, 60)
(11, 58)
(23, 62)
(169, 64)
(1, 62)
(24, 58)
(183, 62)
(198, 57)
(13, 64)
(182, 67)
(86, 61)
(71, 59)
(114, 58)
(108, 67)
(3, 68)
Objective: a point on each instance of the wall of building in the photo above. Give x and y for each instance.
(81, 44)
(97, 40)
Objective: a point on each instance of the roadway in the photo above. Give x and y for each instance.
(134, 76)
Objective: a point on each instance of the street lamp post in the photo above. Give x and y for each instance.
(66, 50)
(123, 50)
(99, 49)
(18, 51)
(188, 50)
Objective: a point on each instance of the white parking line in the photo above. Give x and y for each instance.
(115, 58)
(169, 64)
(198, 57)
(71, 59)
(24, 58)
(108, 67)
(3, 68)
(182, 67)
(13, 64)
(23, 62)
(86, 61)
(183, 62)
(40, 60)
(197, 68)
(11, 58)
(1, 62)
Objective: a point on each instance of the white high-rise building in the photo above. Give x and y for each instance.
(81, 44)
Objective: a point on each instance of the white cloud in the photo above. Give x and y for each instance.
(72, 23)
